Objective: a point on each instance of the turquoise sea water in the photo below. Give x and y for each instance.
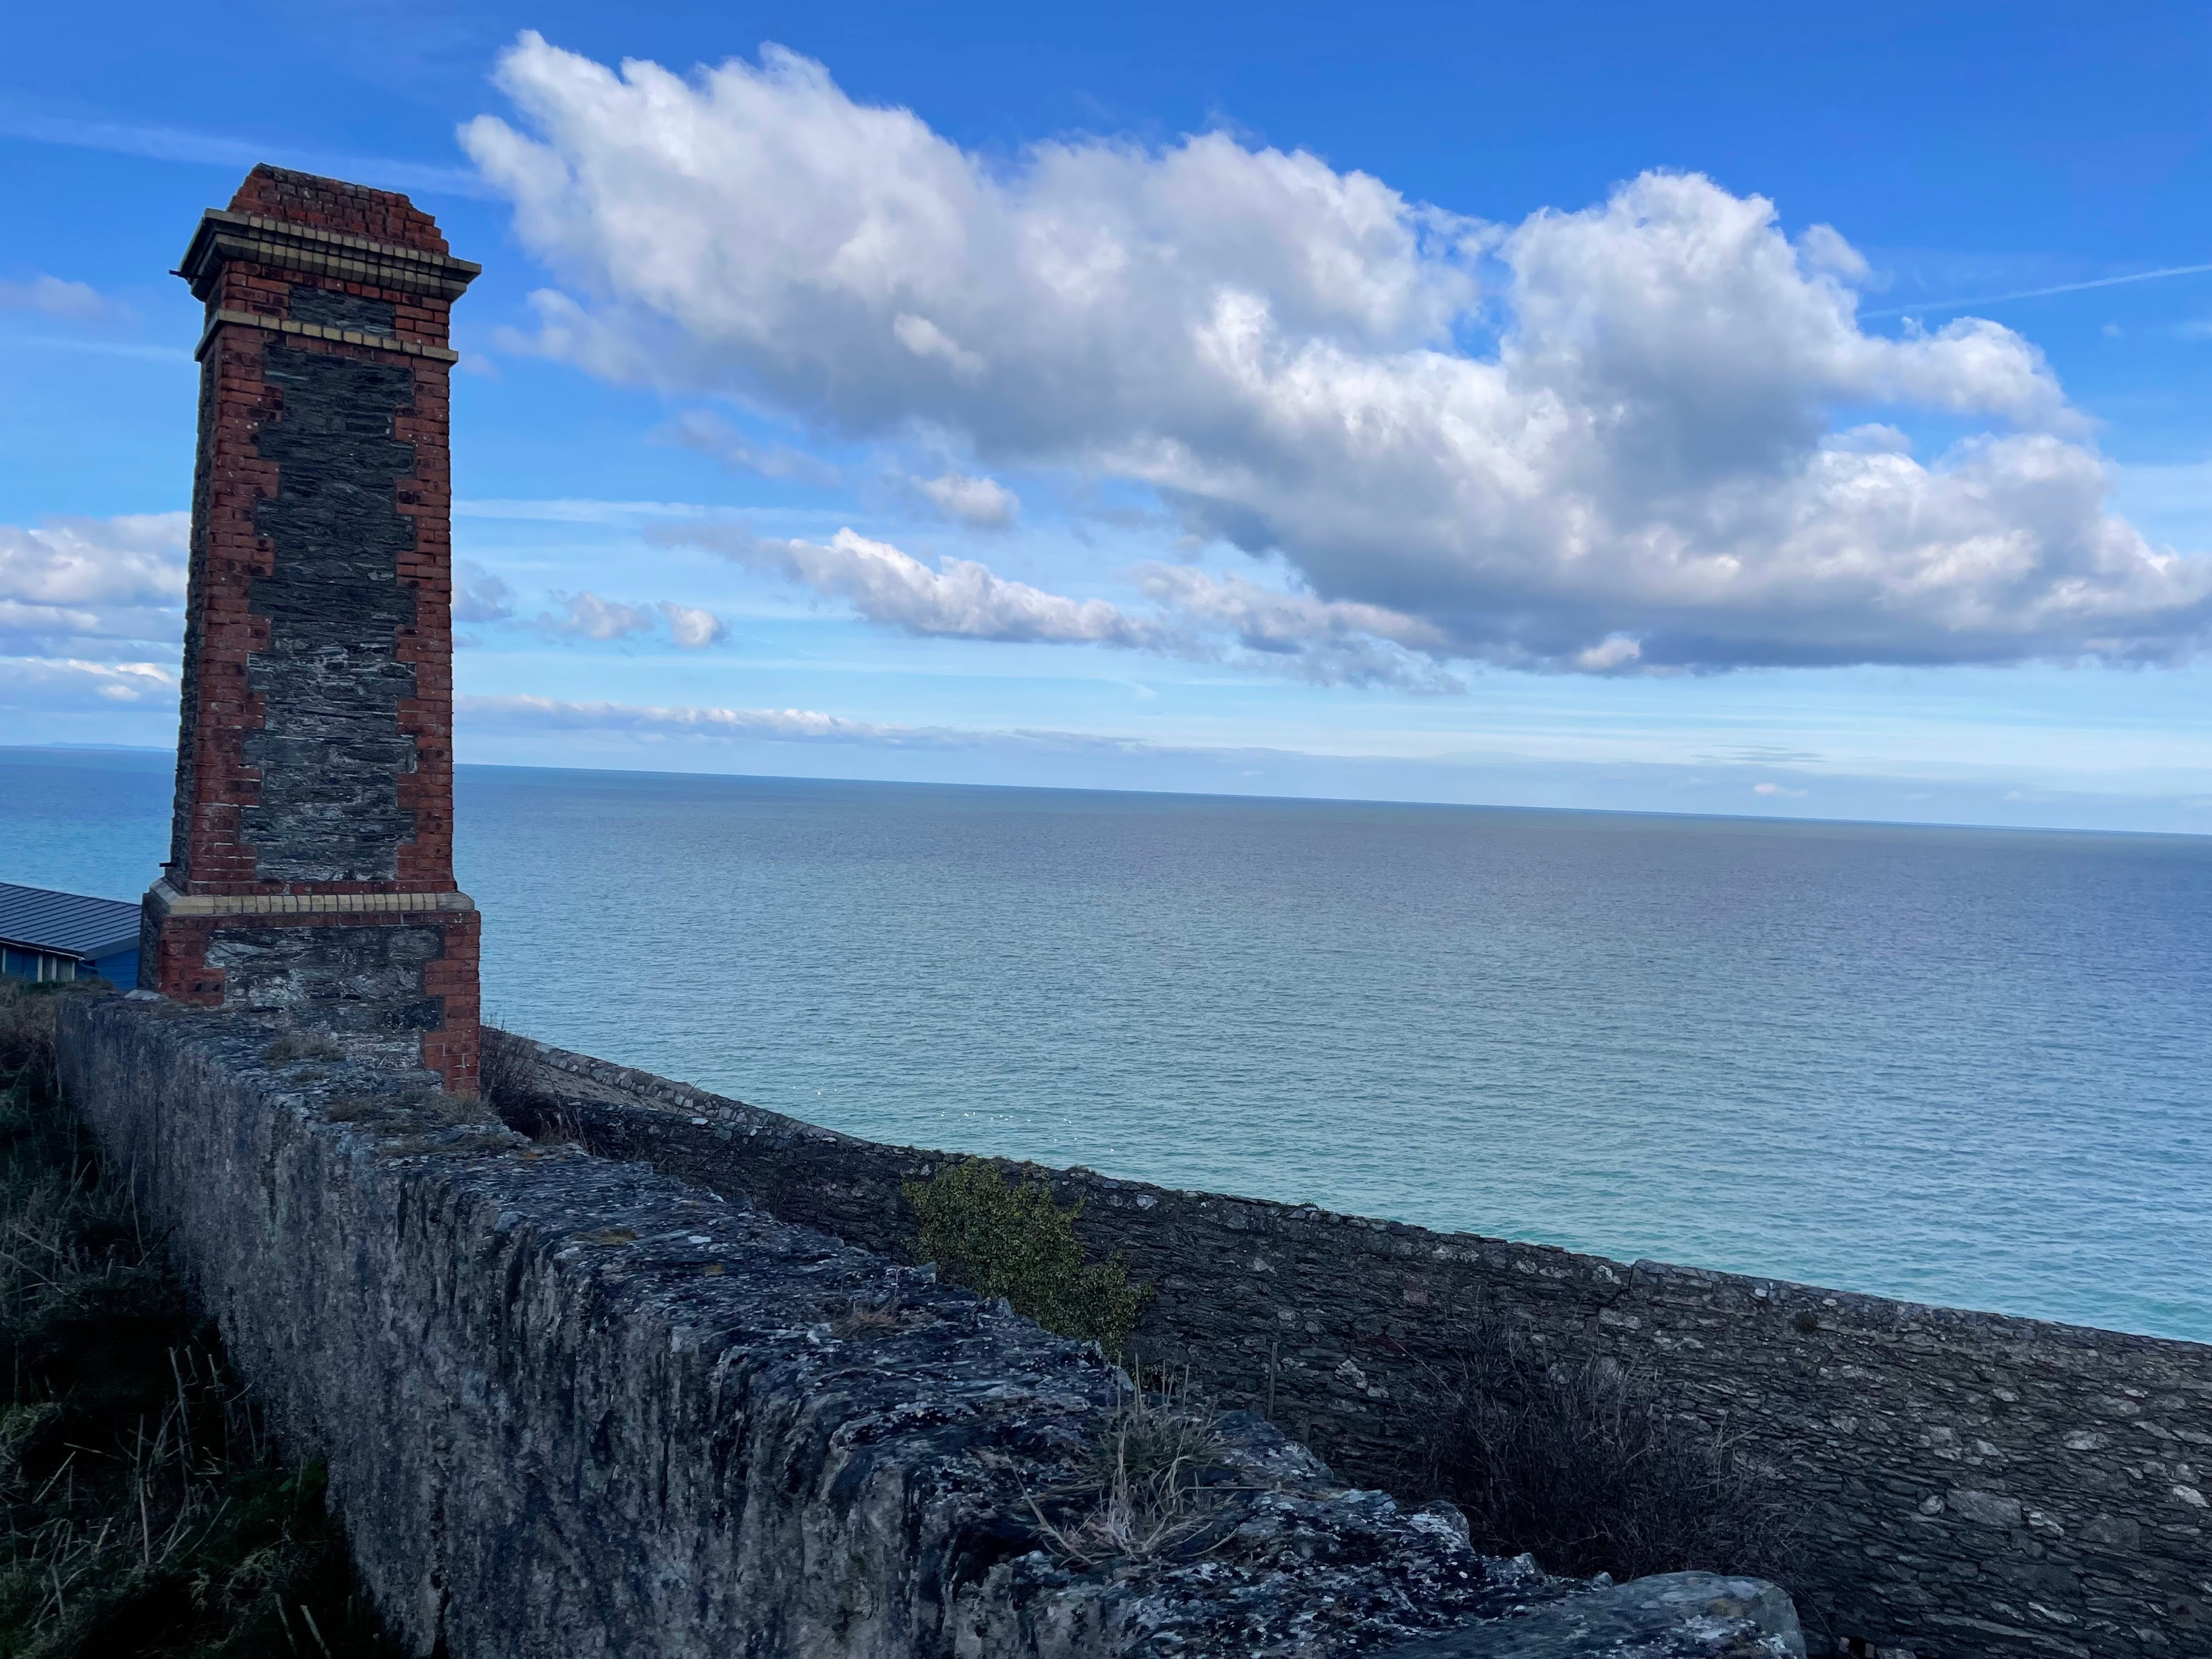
(1966, 1066)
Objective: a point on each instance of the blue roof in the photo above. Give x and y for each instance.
(68, 924)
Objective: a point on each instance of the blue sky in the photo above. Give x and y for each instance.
(1716, 409)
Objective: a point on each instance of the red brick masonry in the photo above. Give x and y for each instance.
(319, 268)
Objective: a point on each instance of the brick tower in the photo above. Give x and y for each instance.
(311, 858)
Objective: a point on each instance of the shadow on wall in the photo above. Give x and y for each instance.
(1583, 1467)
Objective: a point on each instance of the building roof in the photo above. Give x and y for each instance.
(68, 924)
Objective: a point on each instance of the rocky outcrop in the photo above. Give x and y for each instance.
(574, 1407)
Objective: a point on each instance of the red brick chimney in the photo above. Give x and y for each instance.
(311, 861)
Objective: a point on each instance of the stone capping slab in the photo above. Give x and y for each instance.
(1400, 1239)
(573, 1407)
(223, 235)
(168, 901)
(352, 337)
(1611, 1624)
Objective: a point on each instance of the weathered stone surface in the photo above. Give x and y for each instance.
(329, 750)
(1975, 1485)
(573, 1407)
(363, 985)
(1741, 1618)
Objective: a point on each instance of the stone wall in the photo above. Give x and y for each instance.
(574, 1408)
(1974, 1484)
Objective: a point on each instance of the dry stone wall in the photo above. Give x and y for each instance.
(1976, 1486)
(574, 1408)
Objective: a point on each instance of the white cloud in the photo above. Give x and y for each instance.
(653, 723)
(551, 713)
(135, 560)
(1330, 641)
(590, 616)
(572, 510)
(963, 600)
(68, 583)
(981, 503)
(1639, 474)
(710, 435)
(1778, 789)
(64, 302)
(928, 341)
(479, 596)
(691, 628)
(1197, 615)
(51, 685)
(1614, 653)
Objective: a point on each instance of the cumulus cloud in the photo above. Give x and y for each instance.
(1605, 440)
(586, 615)
(64, 302)
(70, 584)
(980, 503)
(590, 616)
(691, 628)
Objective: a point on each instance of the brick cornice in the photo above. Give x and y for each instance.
(352, 337)
(223, 236)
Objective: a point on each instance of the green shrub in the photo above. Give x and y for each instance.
(1014, 1242)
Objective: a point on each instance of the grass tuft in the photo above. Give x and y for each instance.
(1154, 1485)
(302, 1045)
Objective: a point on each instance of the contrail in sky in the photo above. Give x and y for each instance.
(2037, 293)
(217, 149)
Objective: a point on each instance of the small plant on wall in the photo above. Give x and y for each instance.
(1003, 1239)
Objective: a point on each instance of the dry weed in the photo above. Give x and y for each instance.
(1155, 1483)
(302, 1045)
(1583, 1467)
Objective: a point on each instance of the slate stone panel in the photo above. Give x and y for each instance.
(330, 307)
(330, 750)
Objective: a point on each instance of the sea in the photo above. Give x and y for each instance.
(1967, 1067)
